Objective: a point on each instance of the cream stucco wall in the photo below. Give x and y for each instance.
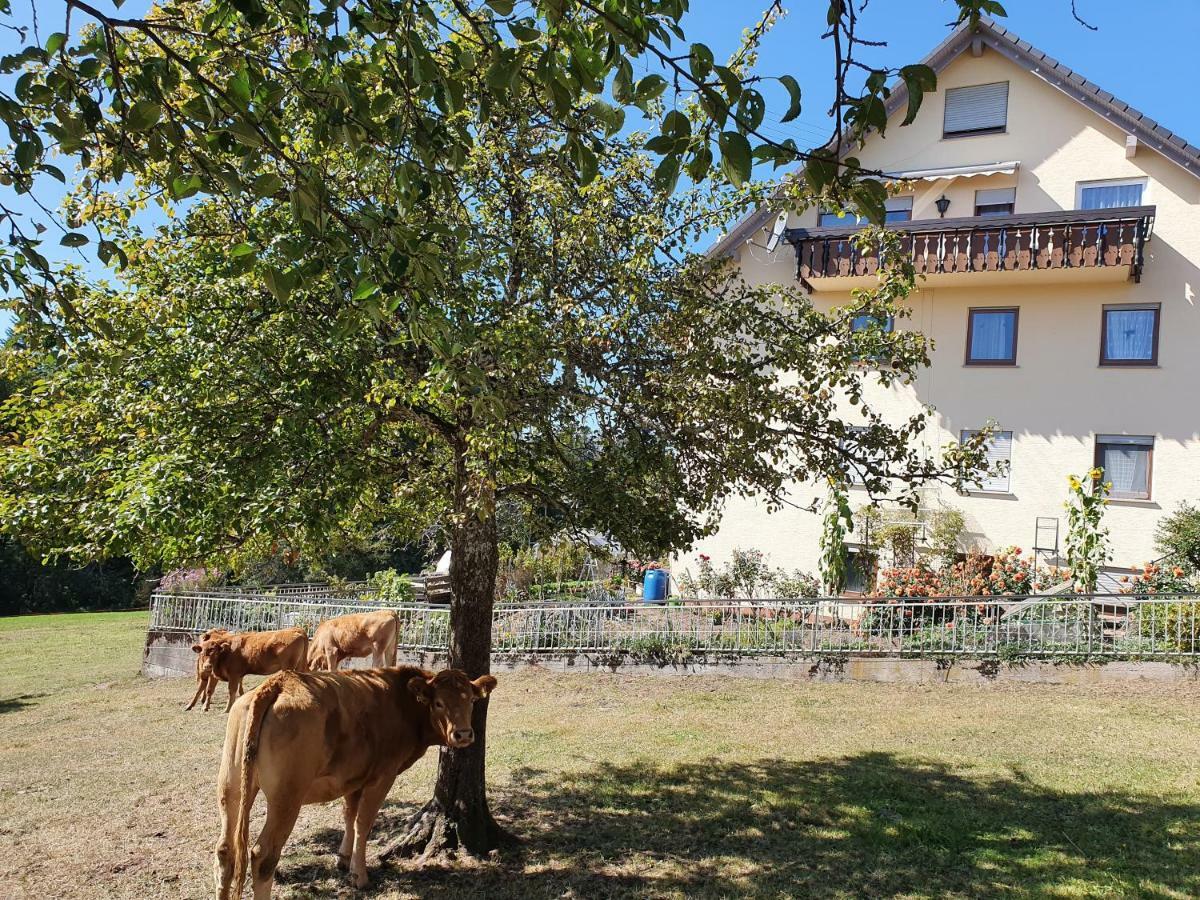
(1057, 397)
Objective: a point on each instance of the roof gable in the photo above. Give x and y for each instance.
(1041, 65)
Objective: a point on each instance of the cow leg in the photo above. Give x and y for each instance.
(235, 691)
(371, 798)
(349, 814)
(209, 689)
(281, 819)
(230, 804)
(201, 684)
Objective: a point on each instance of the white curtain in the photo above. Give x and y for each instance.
(1110, 196)
(1129, 334)
(992, 335)
(1126, 467)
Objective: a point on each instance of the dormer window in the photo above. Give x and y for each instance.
(979, 109)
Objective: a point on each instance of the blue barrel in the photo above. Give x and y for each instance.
(655, 585)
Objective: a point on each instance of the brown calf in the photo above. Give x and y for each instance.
(314, 737)
(206, 683)
(232, 657)
(371, 634)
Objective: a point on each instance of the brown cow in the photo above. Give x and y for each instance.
(232, 657)
(206, 683)
(371, 634)
(314, 737)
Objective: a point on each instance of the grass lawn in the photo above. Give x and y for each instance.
(641, 787)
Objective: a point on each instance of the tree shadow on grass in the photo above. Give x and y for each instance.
(13, 704)
(868, 825)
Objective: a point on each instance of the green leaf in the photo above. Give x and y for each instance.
(649, 88)
(185, 186)
(279, 283)
(245, 133)
(793, 89)
(666, 176)
(55, 42)
(268, 185)
(143, 115)
(26, 154)
(74, 239)
(701, 61)
(501, 7)
(242, 249)
(751, 109)
(675, 124)
(735, 157)
(919, 80)
(503, 70)
(364, 289)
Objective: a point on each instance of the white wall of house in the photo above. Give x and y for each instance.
(1057, 397)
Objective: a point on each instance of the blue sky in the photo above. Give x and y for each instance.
(1142, 53)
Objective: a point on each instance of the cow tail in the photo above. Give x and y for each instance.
(260, 702)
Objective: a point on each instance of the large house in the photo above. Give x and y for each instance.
(1058, 230)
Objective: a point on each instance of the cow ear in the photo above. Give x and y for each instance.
(420, 688)
(483, 686)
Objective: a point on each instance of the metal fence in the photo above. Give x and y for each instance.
(1071, 628)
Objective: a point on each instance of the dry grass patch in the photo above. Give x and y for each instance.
(624, 786)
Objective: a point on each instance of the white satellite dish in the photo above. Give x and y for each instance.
(777, 231)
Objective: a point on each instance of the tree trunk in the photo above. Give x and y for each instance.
(458, 818)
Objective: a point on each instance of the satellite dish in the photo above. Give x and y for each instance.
(777, 231)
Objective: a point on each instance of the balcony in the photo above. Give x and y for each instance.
(1066, 245)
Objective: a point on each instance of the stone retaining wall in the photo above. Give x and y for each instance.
(169, 654)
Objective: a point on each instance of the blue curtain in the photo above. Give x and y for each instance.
(993, 335)
(1129, 334)
(1126, 468)
(1110, 196)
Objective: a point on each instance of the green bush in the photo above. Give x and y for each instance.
(388, 588)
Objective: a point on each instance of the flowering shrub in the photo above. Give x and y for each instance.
(1006, 573)
(198, 578)
(1159, 579)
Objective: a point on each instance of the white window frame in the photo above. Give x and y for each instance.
(1112, 182)
(991, 484)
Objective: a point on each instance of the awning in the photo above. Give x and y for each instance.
(998, 168)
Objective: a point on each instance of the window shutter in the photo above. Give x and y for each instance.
(996, 196)
(981, 107)
(999, 449)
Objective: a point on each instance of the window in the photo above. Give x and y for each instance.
(999, 456)
(1110, 194)
(860, 571)
(898, 209)
(834, 218)
(1126, 460)
(979, 109)
(992, 337)
(995, 202)
(1129, 335)
(862, 323)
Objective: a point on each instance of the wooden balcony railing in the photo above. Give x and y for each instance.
(1068, 239)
